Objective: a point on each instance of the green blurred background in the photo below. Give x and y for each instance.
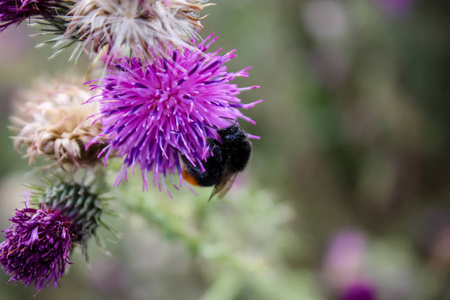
(348, 185)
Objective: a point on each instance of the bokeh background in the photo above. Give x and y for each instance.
(347, 194)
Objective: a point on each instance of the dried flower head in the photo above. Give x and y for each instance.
(155, 112)
(144, 27)
(53, 122)
(36, 247)
(16, 11)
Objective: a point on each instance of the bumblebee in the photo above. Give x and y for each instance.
(228, 158)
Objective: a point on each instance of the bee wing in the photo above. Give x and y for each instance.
(227, 186)
(224, 185)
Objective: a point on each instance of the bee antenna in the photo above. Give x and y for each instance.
(234, 120)
(211, 126)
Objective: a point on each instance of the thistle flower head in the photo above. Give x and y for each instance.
(144, 27)
(36, 247)
(154, 112)
(53, 122)
(16, 11)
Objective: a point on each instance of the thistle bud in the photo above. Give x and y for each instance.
(80, 201)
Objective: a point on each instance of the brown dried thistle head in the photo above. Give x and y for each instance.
(143, 27)
(51, 121)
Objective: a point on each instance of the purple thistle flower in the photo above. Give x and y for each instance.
(36, 249)
(16, 11)
(168, 107)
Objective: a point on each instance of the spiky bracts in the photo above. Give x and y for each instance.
(154, 111)
(81, 198)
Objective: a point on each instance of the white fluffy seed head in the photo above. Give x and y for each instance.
(143, 27)
(52, 122)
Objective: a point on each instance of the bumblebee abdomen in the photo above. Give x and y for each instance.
(189, 177)
(214, 169)
(230, 155)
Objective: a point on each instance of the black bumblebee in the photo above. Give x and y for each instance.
(228, 158)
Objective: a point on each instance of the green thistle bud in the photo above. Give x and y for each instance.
(81, 201)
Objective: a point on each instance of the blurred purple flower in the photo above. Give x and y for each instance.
(36, 249)
(359, 290)
(16, 11)
(344, 261)
(346, 253)
(155, 112)
(396, 7)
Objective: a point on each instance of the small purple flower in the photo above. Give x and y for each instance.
(168, 107)
(36, 249)
(16, 11)
(359, 290)
(396, 7)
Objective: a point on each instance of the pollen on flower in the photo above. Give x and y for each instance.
(52, 121)
(144, 27)
(156, 111)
